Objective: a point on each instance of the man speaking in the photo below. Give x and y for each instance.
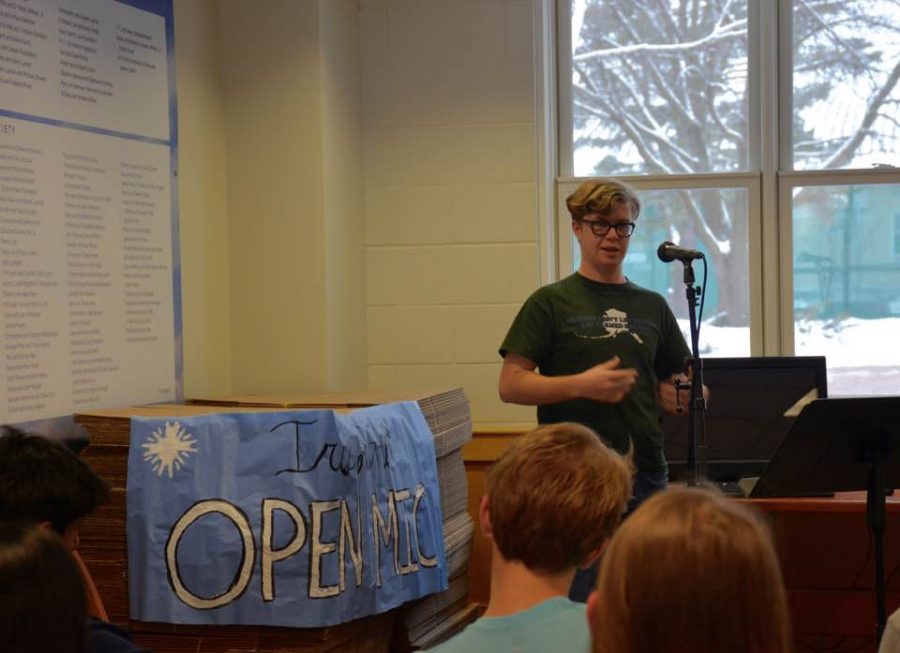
(596, 349)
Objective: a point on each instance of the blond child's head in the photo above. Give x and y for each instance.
(555, 496)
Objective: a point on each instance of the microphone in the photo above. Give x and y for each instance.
(669, 251)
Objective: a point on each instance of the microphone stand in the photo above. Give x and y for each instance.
(696, 454)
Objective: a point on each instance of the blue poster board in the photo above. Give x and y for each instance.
(300, 518)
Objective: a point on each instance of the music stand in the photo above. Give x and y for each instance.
(841, 445)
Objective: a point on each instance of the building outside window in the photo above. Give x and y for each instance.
(897, 234)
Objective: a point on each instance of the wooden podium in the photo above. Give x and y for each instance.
(827, 558)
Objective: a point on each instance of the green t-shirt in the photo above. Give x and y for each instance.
(574, 324)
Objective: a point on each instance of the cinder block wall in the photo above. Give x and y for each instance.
(433, 194)
(450, 182)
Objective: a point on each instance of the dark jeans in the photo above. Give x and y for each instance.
(645, 485)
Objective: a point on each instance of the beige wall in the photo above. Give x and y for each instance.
(270, 195)
(273, 140)
(450, 191)
(381, 191)
(203, 208)
(342, 191)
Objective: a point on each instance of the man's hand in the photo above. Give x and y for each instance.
(521, 384)
(607, 383)
(672, 400)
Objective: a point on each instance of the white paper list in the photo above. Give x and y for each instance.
(89, 62)
(86, 268)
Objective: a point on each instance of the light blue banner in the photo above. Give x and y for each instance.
(300, 518)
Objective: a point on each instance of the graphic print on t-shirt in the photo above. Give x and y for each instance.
(613, 320)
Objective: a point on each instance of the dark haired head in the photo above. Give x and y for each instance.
(41, 480)
(42, 604)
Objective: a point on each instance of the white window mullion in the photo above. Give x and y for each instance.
(546, 125)
(771, 75)
(566, 146)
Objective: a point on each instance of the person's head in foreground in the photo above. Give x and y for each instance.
(553, 499)
(42, 481)
(551, 502)
(42, 602)
(690, 571)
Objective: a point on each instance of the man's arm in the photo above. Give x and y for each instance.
(521, 384)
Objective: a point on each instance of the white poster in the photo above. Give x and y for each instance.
(86, 208)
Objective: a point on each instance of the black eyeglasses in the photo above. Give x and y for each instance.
(601, 228)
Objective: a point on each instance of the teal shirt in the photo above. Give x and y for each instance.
(556, 624)
(573, 324)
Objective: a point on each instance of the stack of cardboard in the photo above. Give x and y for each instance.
(432, 619)
(417, 625)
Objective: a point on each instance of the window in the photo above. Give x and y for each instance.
(671, 214)
(897, 233)
(766, 134)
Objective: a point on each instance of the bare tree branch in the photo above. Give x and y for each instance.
(645, 152)
(732, 135)
(663, 86)
(834, 35)
(844, 153)
(663, 9)
(734, 31)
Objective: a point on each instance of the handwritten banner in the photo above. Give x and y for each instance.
(300, 518)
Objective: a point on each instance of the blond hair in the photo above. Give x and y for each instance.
(601, 196)
(555, 496)
(691, 571)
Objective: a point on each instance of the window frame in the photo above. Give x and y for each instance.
(742, 181)
(820, 178)
(769, 180)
